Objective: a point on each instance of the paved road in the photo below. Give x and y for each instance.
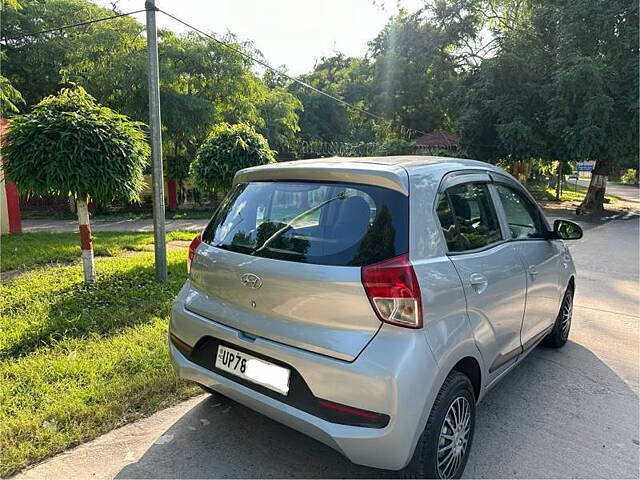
(31, 226)
(569, 413)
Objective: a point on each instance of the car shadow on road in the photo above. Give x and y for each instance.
(560, 413)
(220, 438)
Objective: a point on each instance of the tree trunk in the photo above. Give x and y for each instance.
(594, 199)
(85, 241)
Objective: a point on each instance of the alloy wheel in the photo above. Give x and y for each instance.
(454, 437)
(565, 315)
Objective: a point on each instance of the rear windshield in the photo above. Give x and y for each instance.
(322, 223)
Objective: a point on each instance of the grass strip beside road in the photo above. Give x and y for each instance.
(19, 252)
(77, 361)
(570, 193)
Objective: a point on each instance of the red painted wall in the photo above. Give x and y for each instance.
(13, 200)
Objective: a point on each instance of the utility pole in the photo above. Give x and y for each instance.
(159, 237)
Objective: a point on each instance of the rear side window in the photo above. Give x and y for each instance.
(468, 217)
(310, 222)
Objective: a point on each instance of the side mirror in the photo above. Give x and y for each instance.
(567, 230)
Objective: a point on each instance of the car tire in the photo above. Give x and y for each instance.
(560, 333)
(443, 448)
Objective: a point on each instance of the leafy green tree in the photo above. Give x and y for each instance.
(413, 72)
(38, 65)
(202, 83)
(227, 149)
(594, 103)
(279, 116)
(561, 83)
(70, 145)
(10, 97)
(325, 119)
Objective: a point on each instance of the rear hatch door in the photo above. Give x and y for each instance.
(282, 260)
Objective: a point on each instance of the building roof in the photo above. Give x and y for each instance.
(438, 138)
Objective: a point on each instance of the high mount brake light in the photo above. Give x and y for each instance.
(192, 251)
(393, 290)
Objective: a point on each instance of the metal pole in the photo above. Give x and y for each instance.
(156, 144)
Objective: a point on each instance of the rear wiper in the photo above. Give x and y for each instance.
(341, 196)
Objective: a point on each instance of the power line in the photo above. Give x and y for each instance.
(72, 25)
(279, 72)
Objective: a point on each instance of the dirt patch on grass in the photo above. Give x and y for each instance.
(10, 275)
(179, 243)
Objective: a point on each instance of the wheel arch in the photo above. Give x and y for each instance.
(470, 367)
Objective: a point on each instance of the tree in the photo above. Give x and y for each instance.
(324, 119)
(71, 145)
(10, 97)
(413, 72)
(279, 116)
(561, 84)
(227, 149)
(598, 61)
(202, 83)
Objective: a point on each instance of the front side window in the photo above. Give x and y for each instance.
(523, 217)
(468, 218)
(312, 222)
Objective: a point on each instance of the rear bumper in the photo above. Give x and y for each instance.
(393, 376)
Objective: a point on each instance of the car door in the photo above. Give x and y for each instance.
(541, 259)
(492, 275)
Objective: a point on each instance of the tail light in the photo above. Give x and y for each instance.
(192, 251)
(393, 290)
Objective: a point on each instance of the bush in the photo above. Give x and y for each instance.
(394, 146)
(630, 176)
(229, 148)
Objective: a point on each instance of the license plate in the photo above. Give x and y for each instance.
(253, 369)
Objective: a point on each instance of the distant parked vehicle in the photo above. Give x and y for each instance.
(371, 303)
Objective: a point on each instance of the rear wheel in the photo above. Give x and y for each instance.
(560, 333)
(443, 448)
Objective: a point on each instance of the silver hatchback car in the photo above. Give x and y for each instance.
(370, 303)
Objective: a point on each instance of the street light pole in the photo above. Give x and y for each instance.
(159, 238)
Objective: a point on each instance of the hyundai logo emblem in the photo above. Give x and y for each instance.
(251, 280)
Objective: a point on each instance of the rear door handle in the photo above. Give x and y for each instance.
(479, 282)
(533, 271)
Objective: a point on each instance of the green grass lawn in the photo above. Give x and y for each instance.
(30, 249)
(75, 360)
(570, 193)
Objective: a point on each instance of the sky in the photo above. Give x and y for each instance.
(295, 33)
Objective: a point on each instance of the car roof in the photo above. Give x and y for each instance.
(406, 161)
(390, 171)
